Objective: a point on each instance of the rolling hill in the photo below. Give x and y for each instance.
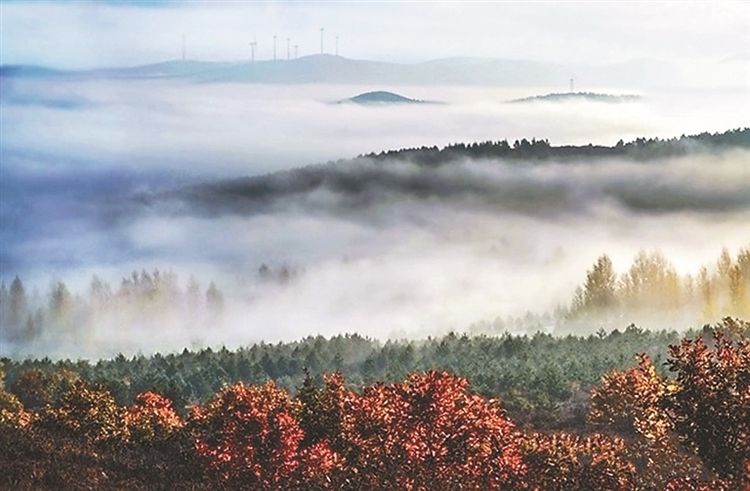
(339, 70)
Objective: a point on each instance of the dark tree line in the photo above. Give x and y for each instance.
(541, 378)
(640, 148)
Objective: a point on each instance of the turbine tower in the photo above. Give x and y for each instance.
(295, 50)
(321, 40)
(571, 85)
(183, 47)
(274, 47)
(253, 46)
(287, 50)
(337, 44)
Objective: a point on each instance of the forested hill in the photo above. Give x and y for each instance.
(640, 148)
(423, 173)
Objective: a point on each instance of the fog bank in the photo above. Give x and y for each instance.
(106, 178)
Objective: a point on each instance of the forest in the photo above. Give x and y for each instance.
(533, 274)
(360, 183)
(620, 408)
(650, 293)
(675, 420)
(640, 148)
(638, 382)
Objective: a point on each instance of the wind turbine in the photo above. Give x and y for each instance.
(287, 49)
(253, 45)
(183, 47)
(274, 47)
(295, 50)
(321, 40)
(337, 44)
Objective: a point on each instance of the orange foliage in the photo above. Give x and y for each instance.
(12, 412)
(631, 401)
(31, 388)
(151, 418)
(564, 462)
(248, 438)
(88, 412)
(710, 407)
(426, 433)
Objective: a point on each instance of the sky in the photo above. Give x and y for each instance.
(91, 34)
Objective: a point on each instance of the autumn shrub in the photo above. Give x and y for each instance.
(630, 402)
(36, 388)
(565, 462)
(710, 406)
(692, 432)
(90, 413)
(247, 437)
(12, 412)
(428, 432)
(32, 389)
(151, 418)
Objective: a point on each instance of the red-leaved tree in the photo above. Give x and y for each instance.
(565, 462)
(428, 432)
(248, 438)
(151, 418)
(710, 407)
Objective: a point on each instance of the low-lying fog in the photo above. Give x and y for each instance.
(94, 172)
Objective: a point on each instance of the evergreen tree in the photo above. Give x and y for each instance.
(18, 305)
(214, 299)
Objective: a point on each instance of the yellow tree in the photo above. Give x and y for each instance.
(651, 283)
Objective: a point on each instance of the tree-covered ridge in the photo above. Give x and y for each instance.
(588, 96)
(495, 176)
(640, 148)
(427, 430)
(541, 378)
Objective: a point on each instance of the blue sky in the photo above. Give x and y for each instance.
(88, 34)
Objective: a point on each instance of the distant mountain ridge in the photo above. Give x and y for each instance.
(339, 70)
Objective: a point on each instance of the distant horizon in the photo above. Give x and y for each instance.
(620, 77)
(363, 60)
(98, 33)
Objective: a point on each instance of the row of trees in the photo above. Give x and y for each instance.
(640, 148)
(652, 287)
(542, 379)
(143, 299)
(649, 293)
(646, 431)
